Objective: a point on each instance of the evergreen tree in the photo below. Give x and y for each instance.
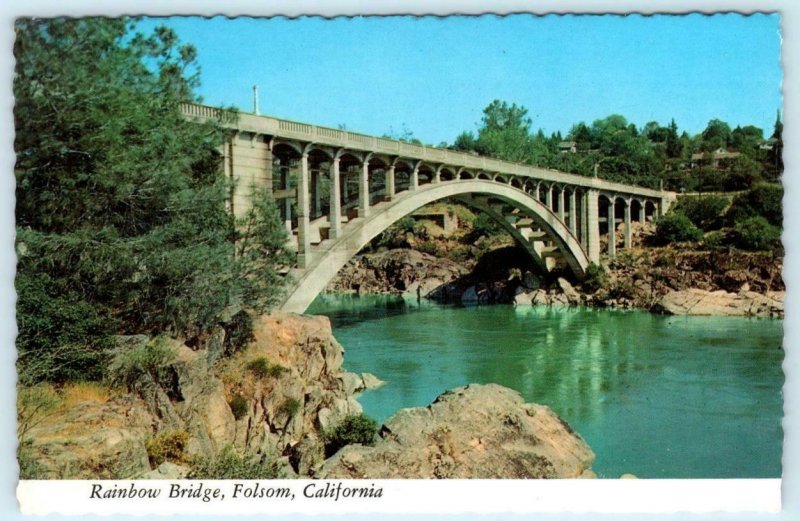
(121, 204)
(673, 143)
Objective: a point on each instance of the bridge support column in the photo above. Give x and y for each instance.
(573, 214)
(536, 192)
(316, 187)
(561, 204)
(593, 226)
(335, 211)
(584, 221)
(390, 189)
(642, 213)
(286, 182)
(628, 237)
(549, 197)
(663, 206)
(363, 190)
(303, 200)
(612, 230)
(413, 181)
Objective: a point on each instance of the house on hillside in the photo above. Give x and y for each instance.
(719, 158)
(568, 147)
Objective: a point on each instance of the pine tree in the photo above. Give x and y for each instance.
(121, 217)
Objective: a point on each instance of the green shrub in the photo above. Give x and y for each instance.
(763, 199)
(595, 278)
(354, 428)
(483, 226)
(166, 446)
(230, 465)
(290, 406)
(714, 240)
(756, 233)
(675, 227)
(459, 254)
(29, 465)
(151, 358)
(704, 212)
(429, 247)
(239, 406)
(239, 332)
(61, 336)
(262, 368)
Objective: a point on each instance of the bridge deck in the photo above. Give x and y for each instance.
(337, 138)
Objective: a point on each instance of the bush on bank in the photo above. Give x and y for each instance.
(354, 428)
(675, 227)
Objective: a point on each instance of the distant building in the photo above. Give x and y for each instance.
(768, 144)
(568, 147)
(719, 158)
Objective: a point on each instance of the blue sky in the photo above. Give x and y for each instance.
(434, 76)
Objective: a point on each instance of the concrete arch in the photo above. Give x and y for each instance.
(357, 234)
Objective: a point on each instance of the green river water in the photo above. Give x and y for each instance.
(659, 397)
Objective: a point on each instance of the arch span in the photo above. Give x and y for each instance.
(328, 261)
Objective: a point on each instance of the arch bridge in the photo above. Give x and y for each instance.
(336, 190)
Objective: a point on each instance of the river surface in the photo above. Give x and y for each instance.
(659, 397)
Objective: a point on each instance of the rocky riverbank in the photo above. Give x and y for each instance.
(272, 403)
(477, 431)
(663, 280)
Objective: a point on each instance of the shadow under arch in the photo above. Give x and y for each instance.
(327, 262)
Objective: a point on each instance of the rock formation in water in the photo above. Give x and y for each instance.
(477, 431)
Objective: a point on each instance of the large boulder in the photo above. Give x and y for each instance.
(477, 431)
(721, 303)
(91, 439)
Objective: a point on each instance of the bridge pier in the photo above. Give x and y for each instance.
(561, 204)
(628, 237)
(593, 225)
(303, 204)
(335, 211)
(642, 213)
(363, 190)
(573, 213)
(390, 188)
(612, 228)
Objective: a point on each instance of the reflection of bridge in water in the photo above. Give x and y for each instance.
(338, 189)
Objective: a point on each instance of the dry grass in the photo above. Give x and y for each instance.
(75, 393)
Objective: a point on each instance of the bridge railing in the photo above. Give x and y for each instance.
(356, 141)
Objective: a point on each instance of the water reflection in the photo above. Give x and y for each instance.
(656, 396)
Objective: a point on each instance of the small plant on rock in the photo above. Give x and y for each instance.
(166, 446)
(230, 465)
(262, 368)
(239, 406)
(354, 428)
(596, 278)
